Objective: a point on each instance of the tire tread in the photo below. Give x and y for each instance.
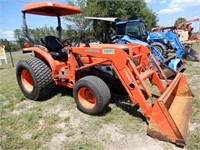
(43, 76)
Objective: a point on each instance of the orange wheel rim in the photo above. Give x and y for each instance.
(27, 80)
(87, 97)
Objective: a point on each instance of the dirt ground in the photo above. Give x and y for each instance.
(78, 132)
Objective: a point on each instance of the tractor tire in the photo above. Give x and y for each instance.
(161, 48)
(92, 95)
(34, 78)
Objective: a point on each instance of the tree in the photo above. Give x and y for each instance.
(179, 20)
(19, 36)
(36, 34)
(134, 9)
(10, 45)
(77, 23)
(131, 10)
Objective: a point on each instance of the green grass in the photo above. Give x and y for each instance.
(26, 124)
(194, 139)
(83, 145)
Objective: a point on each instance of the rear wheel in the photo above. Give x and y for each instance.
(161, 48)
(34, 78)
(92, 95)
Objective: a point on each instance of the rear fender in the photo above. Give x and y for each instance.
(42, 54)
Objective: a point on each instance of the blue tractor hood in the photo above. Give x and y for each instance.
(155, 35)
(126, 38)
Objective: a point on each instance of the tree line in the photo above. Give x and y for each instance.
(77, 24)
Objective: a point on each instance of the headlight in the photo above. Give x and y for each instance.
(165, 41)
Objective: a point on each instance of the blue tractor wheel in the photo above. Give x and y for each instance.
(161, 48)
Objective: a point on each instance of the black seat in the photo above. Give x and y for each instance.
(107, 38)
(55, 48)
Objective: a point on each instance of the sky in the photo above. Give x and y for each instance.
(167, 12)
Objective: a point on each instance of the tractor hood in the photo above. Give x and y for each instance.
(125, 38)
(155, 35)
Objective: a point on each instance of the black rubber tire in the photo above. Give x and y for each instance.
(41, 76)
(161, 48)
(100, 90)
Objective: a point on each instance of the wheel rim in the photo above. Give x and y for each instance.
(27, 80)
(159, 49)
(87, 98)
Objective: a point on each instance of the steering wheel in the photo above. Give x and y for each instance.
(133, 34)
(116, 38)
(74, 41)
(65, 42)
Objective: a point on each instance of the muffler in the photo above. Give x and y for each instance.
(171, 113)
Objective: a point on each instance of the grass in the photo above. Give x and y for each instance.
(57, 124)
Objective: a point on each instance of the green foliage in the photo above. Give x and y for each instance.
(35, 34)
(11, 45)
(132, 9)
(179, 20)
(77, 24)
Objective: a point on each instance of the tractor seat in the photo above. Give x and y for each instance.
(55, 48)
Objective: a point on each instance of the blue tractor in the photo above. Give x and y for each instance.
(172, 42)
(162, 41)
(134, 32)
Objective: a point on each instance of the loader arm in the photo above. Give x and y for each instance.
(133, 68)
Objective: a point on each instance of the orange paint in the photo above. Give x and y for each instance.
(27, 80)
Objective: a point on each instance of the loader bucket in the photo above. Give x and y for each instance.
(169, 72)
(171, 112)
(190, 54)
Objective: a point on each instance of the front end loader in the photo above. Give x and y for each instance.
(133, 31)
(168, 113)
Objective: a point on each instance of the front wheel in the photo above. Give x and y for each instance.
(161, 48)
(92, 95)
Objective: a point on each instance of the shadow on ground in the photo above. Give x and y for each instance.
(122, 101)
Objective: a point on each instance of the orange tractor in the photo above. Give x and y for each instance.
(84, 68)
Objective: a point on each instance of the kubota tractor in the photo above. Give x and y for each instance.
(56, 62)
